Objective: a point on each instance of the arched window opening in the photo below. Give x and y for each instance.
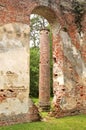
(38, 26)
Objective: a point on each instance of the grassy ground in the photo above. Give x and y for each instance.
(66, 123)
(50, 123)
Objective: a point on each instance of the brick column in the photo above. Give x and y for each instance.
(44, 71)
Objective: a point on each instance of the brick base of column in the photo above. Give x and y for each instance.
(44, 107)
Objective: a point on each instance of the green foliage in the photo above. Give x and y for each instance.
(34, 71)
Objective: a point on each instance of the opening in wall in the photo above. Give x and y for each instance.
(40, 61)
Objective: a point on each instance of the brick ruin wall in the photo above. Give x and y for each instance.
(14, 73)
(68, 21)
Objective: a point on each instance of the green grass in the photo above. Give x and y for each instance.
(66, 123)
(51, 123)
(36, 100)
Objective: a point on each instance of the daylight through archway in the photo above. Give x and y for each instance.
(41, 60)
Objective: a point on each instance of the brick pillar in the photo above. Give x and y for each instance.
(44, 71)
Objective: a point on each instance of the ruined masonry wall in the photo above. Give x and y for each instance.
(68, 22)
(14, 71)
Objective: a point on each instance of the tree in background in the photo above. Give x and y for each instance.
(37, 23)
(34, 71)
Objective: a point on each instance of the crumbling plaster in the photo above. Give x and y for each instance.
(68, 22)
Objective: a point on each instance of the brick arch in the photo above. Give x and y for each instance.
(56, 26)
(66, 47)
(46, 12)
(58, 56)
(19, 11)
